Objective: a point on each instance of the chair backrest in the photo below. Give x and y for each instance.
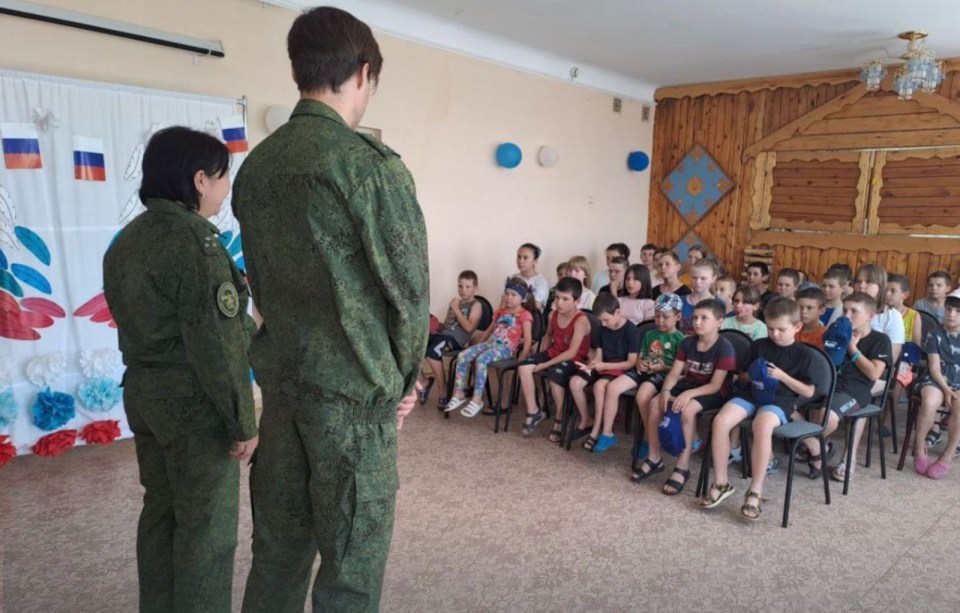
(741, 344)
(888, 378)
(927, 322)
(823, 375)
(539, 327)
(486, 313)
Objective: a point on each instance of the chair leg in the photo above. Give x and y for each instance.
(869, 428)
(883, 455)
(786, 498)
(850, 427)
(636, 446)
(823, 465)
(627, 417)
(912, 409)
(893, 423)
(569, 418)
(705, 465)
(496, 405)
(450, 374)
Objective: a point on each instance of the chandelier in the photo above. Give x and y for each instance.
(920, 72)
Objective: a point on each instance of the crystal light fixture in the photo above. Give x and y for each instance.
(920, 72)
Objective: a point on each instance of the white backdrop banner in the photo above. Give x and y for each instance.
(72, 152)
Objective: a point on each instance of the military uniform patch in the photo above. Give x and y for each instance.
(228, 300)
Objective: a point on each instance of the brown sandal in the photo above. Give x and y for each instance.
(756, 509)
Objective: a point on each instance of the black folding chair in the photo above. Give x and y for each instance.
(927, 322)
(486, 318)
(538, 329)
(871, 412)
(630, 395)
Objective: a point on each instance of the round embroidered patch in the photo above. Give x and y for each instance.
(228, 301)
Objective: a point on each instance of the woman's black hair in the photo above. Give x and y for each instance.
(173, 157)
(536, 250)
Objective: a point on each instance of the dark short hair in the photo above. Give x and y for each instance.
(699, 249)
(327, 46)
(648, 247)
(940, 274)
(605, 303)
(620, 248)
(790, 273)
(952, 302)
(713, 305)
(172, 158)
(812, 293)
(536, 250)
(622, 261)
(902, 282)
(782, 307)
(570, 285)
(468, 275)
(672, 254)
(748, 294)
(762, 267)
(840, 272)
(862, 298)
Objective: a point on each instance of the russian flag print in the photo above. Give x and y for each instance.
(234, 133)
(21, 146)
(88, 159)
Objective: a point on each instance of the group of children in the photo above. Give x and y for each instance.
(683, 365)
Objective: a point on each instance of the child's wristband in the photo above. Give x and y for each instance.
(855, 357)
(666, 391)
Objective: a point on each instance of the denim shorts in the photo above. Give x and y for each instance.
(753, 409)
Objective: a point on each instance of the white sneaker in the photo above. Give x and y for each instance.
(472, 409)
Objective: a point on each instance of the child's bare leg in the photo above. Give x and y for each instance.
(529, 387)
(599, 393)
(436, 367)
(557, 391)
(954, 435)
(577, 385)
(763, 426)
(611, 400)
(724, 424)
(688, 421)
(931, 399)
(654, 415)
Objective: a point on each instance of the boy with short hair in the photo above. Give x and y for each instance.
(867, 355)
(603, 276)
(895, 297)
(567, 341)
(723, 290)
(668, 265)
(563, 270)
(939, 386)
(616, 272)
(463, 316)
(834, 281)
(703, 274)
(758, 276)
(698, 380)
(615, 347)
(771, 400)
(648, 258)
(811, 303)
(938, 286)
(787, 281)
(694, 254)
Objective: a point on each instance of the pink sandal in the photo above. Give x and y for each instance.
(921, 464)
(938, 470)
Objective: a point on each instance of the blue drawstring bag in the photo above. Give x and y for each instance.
(670, 432)
(763, 386)
(837, 338)
(910, 354)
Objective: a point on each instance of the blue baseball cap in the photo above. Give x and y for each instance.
(763, 386)
(836, 339)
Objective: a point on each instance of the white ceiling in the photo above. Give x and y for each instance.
(632, 46)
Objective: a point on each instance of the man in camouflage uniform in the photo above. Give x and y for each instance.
(180, 306)
(336, 251)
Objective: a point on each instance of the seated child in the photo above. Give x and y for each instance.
(648, 255)
(758, 277)
(527, 257)
(636, 304)
(579, 268)
(669, 267)
(694, 254)
(616, 345)
(463, 315)
(746, 302)
(867, 356)
(697, 380)
(811, 301)
(567, 341)
(723, 290)
(562, 271)
(895, 298)
(835, 280)
(847, 273)
(511, 324)
(787, 281)
(703, 274)
(787, 364)
(938, 286)
(603, 276)
(940, 386)
(615, 271)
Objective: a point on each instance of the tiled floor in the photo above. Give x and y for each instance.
(495, 522)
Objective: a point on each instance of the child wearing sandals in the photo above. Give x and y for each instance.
(940, 386)
(770, 401)
(511, 324)
(567, 341)
(616, 345)
(463, 315)
(698, 380)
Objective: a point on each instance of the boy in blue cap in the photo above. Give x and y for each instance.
(777, 381)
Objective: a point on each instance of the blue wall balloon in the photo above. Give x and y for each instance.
(638, 161)
(509, 155)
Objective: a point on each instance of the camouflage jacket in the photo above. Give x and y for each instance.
(179, 302)
(336, 251)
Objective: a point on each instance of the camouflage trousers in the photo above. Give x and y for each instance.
(324, 480)
(187, 533)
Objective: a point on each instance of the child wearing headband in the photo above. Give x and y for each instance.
(512, 323)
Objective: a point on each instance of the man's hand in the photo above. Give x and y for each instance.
(242, 450)
(406, 404)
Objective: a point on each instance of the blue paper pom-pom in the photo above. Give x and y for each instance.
(99, 394)
(53, 409)
(8, 408)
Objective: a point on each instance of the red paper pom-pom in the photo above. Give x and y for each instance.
(7, 450)
(101, 432)
(55, 444)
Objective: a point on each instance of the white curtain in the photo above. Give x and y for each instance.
(56, 222)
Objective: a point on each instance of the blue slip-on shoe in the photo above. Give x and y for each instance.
(604, 442)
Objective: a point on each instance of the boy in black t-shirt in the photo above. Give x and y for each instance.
(868, 356)
(770, 402)
(616, 345)
(697, 380)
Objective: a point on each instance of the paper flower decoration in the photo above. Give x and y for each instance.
(101, 432)
(45, 370)
(7, 450)
(53, 409)
(99, 394)
(55, 444)
(8, 371)
(8, 408)
(99, 362)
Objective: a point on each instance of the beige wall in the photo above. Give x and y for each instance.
(443, 112)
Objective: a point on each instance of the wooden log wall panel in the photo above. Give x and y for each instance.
(921, 194)
(727, 123)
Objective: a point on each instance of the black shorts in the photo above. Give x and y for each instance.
(593, 377)
(654, 378)
(439, 345)
(843, 403)
(707, 403)
(558, 373)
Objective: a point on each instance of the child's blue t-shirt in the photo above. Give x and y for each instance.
(827, 314)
